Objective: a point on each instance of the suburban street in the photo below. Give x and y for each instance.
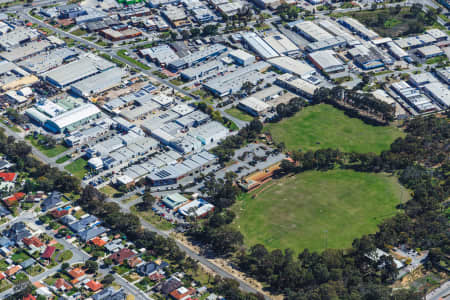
(441, 293)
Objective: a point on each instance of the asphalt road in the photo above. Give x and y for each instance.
(201, 259)
(443, 292)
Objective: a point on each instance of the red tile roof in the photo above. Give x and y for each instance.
(61, 283)
(14, 198)
(2, 276)
(121, 255)
(29, 297)
(94, 285)
(34, 240)
(59, 213)
(8, 176)
(156, 276)
(48, 253)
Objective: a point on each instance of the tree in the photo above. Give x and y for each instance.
(195, 31)
(64, 266)
(108, 279)
(185, 34)
(210, 30)
(108, 261)
(147, 201)
(91, 266)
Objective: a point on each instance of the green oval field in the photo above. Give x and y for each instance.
(323, 126)
(317, 209)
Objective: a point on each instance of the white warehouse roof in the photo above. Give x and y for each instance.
(290, 65)
(257, 44)
(76, 115)
(99, 83)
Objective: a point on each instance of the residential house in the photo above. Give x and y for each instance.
(17, 232)
(182, 293)
(134, 261)
(110, 294)
(59, 213)
(29, 297)
(5, 242)
(4, 164)
(14, 199)
(122, 255)
(51, 201)
(156, 277)
(4, 211)
(48, 253)
(34, 243)
(12, 270)
(150, 268)
(98, 242)
(35, 197)
(170, 285)
(91, 233)
(77, 274)
(114, 246)
(8, 176)
(94, 285)
(62, 285)
(27, 263)
(83, 224)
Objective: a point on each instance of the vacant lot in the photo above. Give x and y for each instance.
(239, 114)
(323, 126)
(38, 143)
(392, 22)
(77, 168)
(317, 209)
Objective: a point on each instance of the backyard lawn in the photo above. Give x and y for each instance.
(77, 167)
(323, 126)
(239, 114)
(317, 210)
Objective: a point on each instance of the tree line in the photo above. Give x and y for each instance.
(361, 105)
(45, 177)
(287, 110)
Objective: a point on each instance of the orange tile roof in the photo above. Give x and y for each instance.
(13, 270)
(37, 284)
(94, 285)
(76, 273)
(181, 293)
(98, 241)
